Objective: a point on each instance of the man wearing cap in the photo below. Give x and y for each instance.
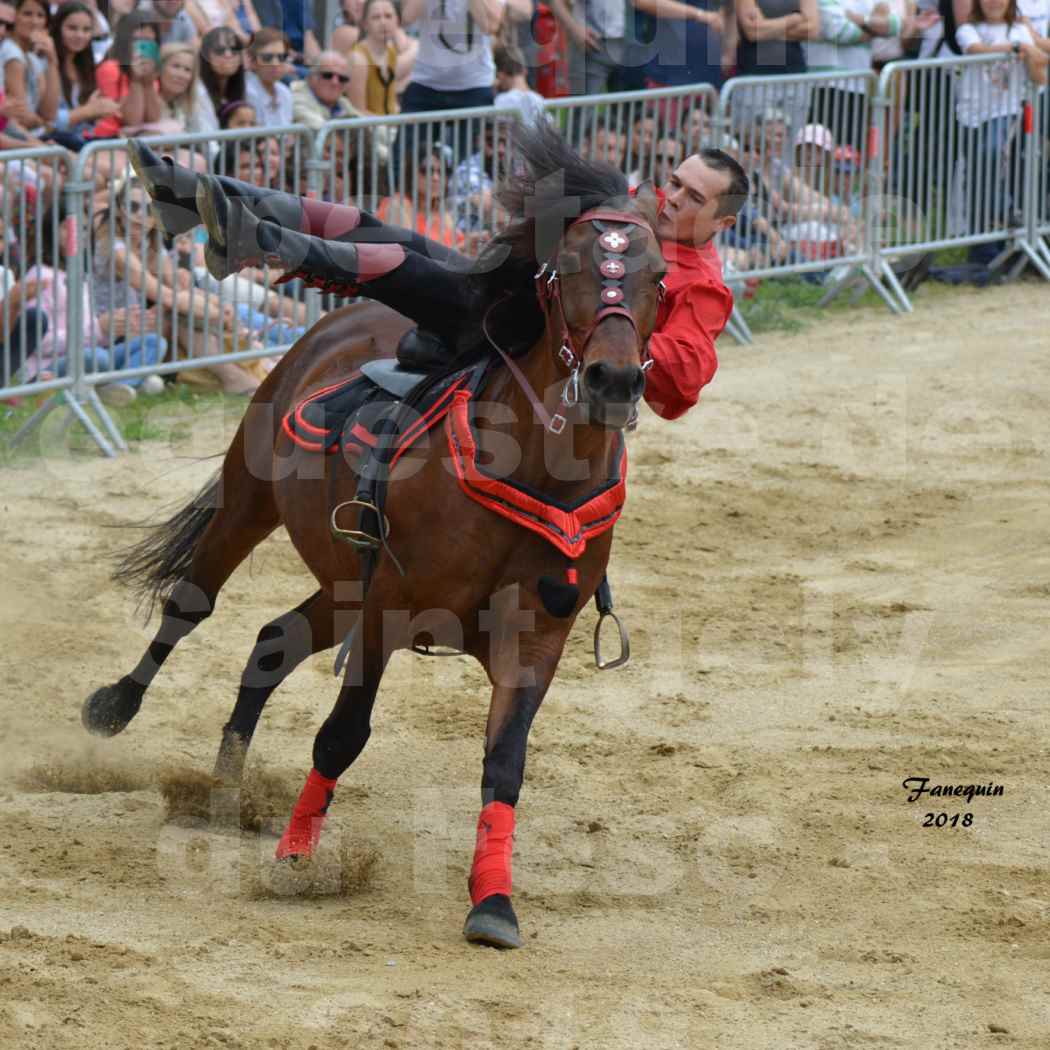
(352, 252)
(818, 221)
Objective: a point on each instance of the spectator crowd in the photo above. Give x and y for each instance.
(86, 71)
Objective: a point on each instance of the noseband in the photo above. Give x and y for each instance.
(614, 243)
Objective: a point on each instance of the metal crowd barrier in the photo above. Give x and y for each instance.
(1039, 230)
(962, 161)
(806, 142)
(851, 174)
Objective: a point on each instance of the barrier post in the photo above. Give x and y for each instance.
(878, 161)
(1034, 144)
(315, 168)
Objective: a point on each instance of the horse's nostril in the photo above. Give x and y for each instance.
(597, 376)
(637, 384)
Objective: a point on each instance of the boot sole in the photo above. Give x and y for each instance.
(174, 219)
(214, 252)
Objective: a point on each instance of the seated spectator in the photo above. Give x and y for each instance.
(381, 61)
(657, 165)
(475, 179)
(321, 97)
(269, 56)
(643, 135)
(813, 221)
(687, 46)
(222, 66)
(238, 114)
(605, 143)
(130, 77)
(43, 291)
(296, 18)
(30, 66)
(131, 271)
(246, 19)
(513, 87)
(81, 104)
(697, 127)
(423, 207)
(185, 100)
(174, 24)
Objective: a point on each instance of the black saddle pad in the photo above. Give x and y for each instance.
(345, 412)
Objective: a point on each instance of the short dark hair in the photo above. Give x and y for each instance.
(732, 200)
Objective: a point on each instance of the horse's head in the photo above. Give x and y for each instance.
(601, 291)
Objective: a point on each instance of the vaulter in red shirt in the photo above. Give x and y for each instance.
(335, 245)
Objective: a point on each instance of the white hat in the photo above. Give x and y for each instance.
(818, 135)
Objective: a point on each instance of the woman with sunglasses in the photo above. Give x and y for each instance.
(222, 69)
(269, 54)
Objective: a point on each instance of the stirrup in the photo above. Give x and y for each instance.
(625, 643)
(358, 539)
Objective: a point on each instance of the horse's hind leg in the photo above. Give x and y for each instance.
(196, 551)
(281, 646)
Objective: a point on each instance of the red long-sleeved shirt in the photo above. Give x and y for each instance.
(694, 312)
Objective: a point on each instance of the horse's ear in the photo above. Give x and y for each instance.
(645, 198)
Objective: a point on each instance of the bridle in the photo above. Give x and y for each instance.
(614, 243)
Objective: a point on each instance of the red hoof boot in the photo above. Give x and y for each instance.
(304, 829)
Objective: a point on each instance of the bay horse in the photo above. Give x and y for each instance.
(567, 299)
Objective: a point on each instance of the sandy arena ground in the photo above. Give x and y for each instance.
(836, 575)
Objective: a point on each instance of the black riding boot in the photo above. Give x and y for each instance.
(173, 189)
(437, 297)
(239, 237)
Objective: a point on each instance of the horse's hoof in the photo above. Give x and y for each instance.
(494, 923)
(108, 710)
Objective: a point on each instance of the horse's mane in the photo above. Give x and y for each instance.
(549, 186)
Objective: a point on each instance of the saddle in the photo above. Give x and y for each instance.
(365, 416)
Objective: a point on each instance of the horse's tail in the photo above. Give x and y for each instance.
(160, 559)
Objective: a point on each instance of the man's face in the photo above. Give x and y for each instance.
(693, 196)
(668, 154)
(329, 81)
(7, 20)
(608, 147)
(644, 132)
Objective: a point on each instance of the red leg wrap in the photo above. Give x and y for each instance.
(329, 221)
(304, 829)
(490, 872)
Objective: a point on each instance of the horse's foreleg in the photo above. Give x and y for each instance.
(516, 697)
(341, 739)
(281, 646)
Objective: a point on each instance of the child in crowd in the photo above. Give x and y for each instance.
(513, 87)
